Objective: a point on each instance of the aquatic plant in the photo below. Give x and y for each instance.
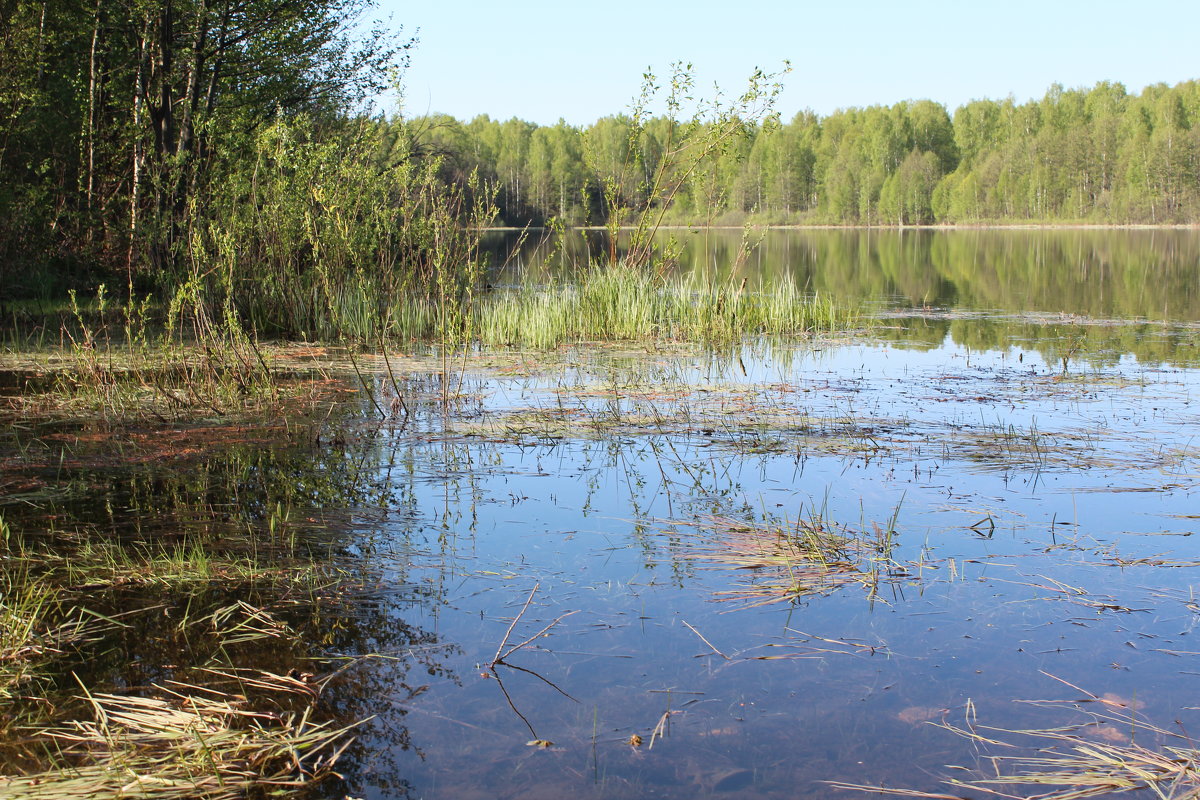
(34, 630)
(626, 302)
(788, 561)
(69, 595)
(120, 363)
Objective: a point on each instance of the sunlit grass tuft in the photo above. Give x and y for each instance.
(625, 303)
(34, 629)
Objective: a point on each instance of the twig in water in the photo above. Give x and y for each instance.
(706, 641)
(516, 619)
(512, 705)
(533, 638)
(501, 653)
(541, 678)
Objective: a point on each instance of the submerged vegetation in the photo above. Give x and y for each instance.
(194, 742)
(173, 654)
(237, 731)
(788, 562)
(1109, 751)
(161, 642)
(215, 604)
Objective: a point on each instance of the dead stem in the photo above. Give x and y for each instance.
(706, 641)
(1068, 766)
(513, 624)
(194, 742)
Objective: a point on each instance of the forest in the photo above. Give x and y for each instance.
(230, 146)
(1098, 155)
(139, 140)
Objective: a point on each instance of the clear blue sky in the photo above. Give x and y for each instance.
(544, 60)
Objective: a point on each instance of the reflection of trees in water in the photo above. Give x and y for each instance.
(392, 663)
(1094, 345)
(377, 497)
(266, 488)
(1100, 273)
(272, 533)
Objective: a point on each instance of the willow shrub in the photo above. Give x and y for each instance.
(316, 235)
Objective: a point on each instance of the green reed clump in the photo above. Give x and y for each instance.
(628, 303)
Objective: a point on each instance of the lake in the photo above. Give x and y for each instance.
(652, 569)
(1127, 274)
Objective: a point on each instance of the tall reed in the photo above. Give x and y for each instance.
(630, 303)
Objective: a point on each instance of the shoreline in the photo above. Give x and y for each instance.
(964, 226)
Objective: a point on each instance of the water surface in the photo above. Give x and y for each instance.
(1010, 468)
(1105, 273)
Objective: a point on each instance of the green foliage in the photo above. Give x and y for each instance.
(216, 161)
(1095, 155)
(314, 236)
(116, 367)
(627, 302)
(907, 194)
(116, 117)
(669, 152)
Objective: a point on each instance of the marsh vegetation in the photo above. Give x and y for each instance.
(312, 484)
(742, 564)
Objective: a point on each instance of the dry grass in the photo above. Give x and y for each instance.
(191, 742)
(789, 561)
(245, 732)
(1114, 751)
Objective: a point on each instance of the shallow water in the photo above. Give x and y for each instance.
(1014, 494)
(1042, 531)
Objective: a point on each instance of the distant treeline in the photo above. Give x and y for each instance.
(1088, 155)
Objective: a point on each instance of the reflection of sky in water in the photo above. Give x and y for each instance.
(1020, 561)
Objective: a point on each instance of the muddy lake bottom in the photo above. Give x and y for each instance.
(592, 573)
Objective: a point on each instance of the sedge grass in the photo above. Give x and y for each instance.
(71, 568)
(34, 630)
(210, 364)
(604, 303)
(108, 361)
(49, 595)
(627, 303)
